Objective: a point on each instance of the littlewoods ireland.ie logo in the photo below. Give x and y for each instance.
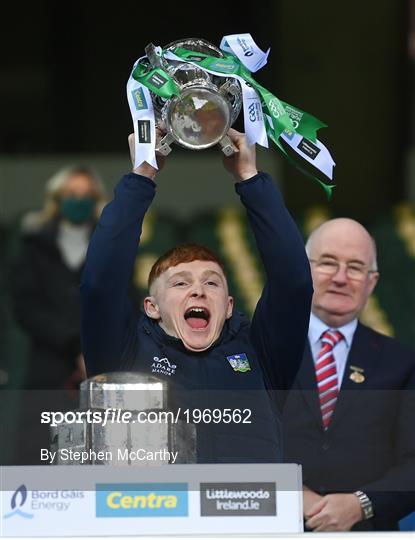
(142, 500)
(17, 501)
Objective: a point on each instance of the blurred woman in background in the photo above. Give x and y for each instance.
(46, 276)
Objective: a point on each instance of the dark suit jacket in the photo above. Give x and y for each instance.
(370, 442)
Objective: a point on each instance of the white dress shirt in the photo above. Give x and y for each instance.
(340, 351)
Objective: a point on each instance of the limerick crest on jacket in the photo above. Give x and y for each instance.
(239, 362)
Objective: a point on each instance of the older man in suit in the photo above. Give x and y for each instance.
(350, 417)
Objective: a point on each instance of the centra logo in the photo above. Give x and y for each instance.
(142, 500)
(139, 99)
(17, 501)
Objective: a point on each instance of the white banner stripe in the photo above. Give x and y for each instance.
(142, 113)
(313, 152)
(246, 50)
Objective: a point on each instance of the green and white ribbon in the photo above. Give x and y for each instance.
(303, 152)
(246, 50)
(156, 79)
(265, 116)
(253, 116)
(142, 112)
(313, 152)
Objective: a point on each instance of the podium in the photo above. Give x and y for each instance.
(99, 482)
(180, 500)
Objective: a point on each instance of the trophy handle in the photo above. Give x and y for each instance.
(227, 146)
(163, 147)
(154, 57)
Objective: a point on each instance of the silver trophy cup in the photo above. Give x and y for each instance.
(115, 443)
(207, 106)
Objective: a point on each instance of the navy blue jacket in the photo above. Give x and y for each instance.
(273, 342)
(370, 442)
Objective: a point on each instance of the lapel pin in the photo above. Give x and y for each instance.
(357, 374)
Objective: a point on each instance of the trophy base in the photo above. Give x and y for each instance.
(164, 146)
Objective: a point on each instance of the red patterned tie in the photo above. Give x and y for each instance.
(326, 375)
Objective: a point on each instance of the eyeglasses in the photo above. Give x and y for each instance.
(330, 267)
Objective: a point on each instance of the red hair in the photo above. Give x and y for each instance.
(183, 253)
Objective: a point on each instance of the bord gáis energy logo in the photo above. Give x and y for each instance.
(142, 500)
(17, 501)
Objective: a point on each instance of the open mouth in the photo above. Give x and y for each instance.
(197, 317)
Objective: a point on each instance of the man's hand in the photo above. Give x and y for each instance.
(334, 512)
(145, 169)
(242, 164)
(310, 499)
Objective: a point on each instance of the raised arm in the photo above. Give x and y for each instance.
(280, 322)
(108, 324)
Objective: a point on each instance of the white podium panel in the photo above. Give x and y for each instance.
(144, 501)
